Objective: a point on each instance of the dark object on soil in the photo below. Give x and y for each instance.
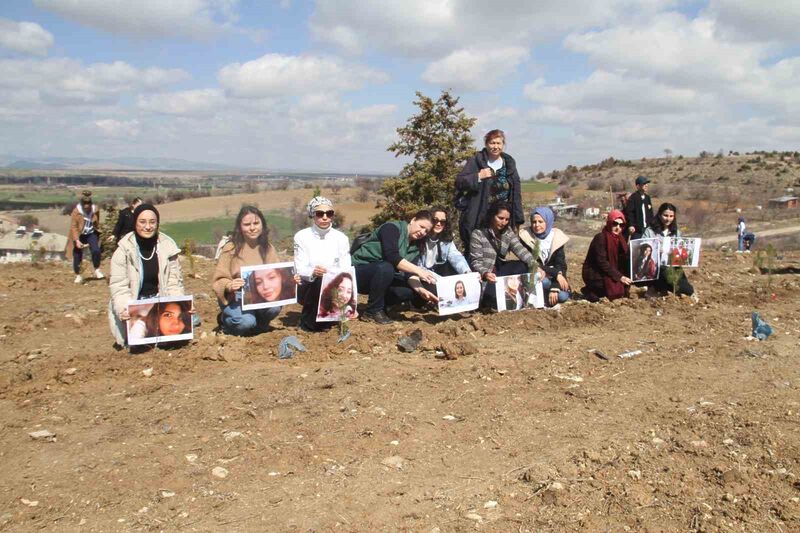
(379, 317)
(410, 343)
(599, 354)
(287, 346)
(761, 330)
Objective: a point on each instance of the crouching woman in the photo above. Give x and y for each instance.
(605, 261)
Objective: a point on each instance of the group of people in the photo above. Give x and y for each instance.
(398, 263)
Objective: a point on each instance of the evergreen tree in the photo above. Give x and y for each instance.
(438, 140)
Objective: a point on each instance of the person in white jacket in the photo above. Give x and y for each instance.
(318, 249)
(144, 265)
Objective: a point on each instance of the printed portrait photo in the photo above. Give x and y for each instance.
(645, 254)
(164, 319)
(458, 294)
(339, 295)
(518, 292)
(681, 251)
(268, 286)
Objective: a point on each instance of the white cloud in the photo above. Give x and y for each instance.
(118, 128)
(65, 81)
(198, 19)
(434, 28)
(281, 75)
(25, 37)
(192, 102)
(752, 19)
(475, 69)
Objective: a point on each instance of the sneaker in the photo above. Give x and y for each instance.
(98, 274)
(379, 317)
(78, 279)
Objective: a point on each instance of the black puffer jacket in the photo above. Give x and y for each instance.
(472, 194)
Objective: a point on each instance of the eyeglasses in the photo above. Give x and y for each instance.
(442, 221)
(320, 214)
(616, 224)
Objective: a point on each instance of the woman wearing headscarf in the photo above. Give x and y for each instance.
(317, 249)
(547, 244)
(144, 265)
(605, 261)
(490, 176)
(249, 246)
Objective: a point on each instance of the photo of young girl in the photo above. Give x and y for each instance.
(269, 285)
(338, 296)
(518, 292)
(682, 251)
(644, 253)
(459, 293)
(157, 320)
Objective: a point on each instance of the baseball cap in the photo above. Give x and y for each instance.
(641, 180)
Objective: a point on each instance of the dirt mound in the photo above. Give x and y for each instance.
(506, 421)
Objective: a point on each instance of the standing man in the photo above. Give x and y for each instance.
(125, 223)
(84, 224)
(639, 209)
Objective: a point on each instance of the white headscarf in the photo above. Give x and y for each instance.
(312, 206)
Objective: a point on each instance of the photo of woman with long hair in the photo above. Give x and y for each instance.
(269, 285)
(337, 297)
(159, 321)
(459, 293)
(644, 266)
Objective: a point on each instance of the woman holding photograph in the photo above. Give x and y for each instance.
(605, 260)
(383, 261)
(547, 243)
(338, 298)
(490, 246)
(144, 265)
(439, 254)
(249, 246)
(317, 249)
(644, 267)
(665, 224)
(490, 176)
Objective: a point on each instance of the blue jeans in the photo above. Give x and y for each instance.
(741, 242)
(563, 296)
(238, 322)
(94, 246)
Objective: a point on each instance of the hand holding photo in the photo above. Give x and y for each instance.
(338, 296)
(458, 294)
(269, 285)
(163, 319)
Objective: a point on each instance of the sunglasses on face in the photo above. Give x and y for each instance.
(320, 214)
(616, 224)
(441, 221)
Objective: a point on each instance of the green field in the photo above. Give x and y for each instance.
(208, 230)
(48, 196)
(537, 186)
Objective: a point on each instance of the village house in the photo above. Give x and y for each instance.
(21, 245)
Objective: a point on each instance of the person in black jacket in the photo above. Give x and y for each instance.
(639, 209)
(487, 178)
(125, 222)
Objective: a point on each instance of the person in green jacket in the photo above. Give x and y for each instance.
(383, 261)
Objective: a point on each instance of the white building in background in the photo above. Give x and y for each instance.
(21, 245)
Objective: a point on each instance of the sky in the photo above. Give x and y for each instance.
(323, 85)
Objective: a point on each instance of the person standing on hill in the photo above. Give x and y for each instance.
(125, 222)
(84, 232)
(639, 209)
(487, 178)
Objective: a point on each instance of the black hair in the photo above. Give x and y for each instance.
(658, 227)
(493, 210)
(237, 238)
(447, 233)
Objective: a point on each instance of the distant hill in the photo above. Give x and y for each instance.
(117, 163)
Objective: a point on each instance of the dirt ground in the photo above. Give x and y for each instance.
(525, 431)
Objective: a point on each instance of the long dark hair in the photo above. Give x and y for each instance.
(447, 233)
(657, 224)
(288, 286)
(151, 320)
(493, 210)
(326, 303)
(238, 239)
(640, 255)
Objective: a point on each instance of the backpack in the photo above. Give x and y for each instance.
(360, 241)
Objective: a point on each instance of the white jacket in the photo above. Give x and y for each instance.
(313, 247)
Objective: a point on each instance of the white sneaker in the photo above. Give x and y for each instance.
(78, 279)
(98, 274)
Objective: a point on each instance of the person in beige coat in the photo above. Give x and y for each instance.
(144, 265)
(84, 232)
